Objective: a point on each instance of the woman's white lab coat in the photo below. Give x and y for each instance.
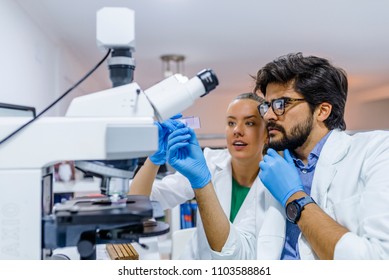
(351, 184)
(175, 189)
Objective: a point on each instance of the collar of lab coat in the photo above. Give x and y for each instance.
(334, 150)
(222, 176)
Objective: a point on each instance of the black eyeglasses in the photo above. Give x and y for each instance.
(278, 105)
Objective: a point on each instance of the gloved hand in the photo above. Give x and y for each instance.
(164, 129)
(280, 175)
(186, 156)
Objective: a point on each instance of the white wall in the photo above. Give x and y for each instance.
(35, 67)
(26, 59)
(368, 108)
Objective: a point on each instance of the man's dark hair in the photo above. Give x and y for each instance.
(313, 77)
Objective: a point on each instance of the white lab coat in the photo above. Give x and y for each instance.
(351, 184)
(175, 189)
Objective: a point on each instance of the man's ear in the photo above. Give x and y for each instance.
(323, 111)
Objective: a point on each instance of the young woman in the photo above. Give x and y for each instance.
(234, 171)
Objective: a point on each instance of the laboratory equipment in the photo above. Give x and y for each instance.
(113, 124)
(192, 122)
(166, 97)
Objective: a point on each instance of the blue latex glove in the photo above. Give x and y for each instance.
(186, 156)
(164, 129)
(279, 175)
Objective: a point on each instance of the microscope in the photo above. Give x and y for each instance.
(104, 133)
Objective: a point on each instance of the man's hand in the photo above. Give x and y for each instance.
(279, 175)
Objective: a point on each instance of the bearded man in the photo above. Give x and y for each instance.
(333, 186)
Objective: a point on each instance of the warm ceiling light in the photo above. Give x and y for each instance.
(172, 64)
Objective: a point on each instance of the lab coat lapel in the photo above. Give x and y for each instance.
(334, 150)
(271, 236)
(223, 183)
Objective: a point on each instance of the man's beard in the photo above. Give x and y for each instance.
(298, 135)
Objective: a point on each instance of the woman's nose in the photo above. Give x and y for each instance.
(238, 130)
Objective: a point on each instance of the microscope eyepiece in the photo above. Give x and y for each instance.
(209, 80)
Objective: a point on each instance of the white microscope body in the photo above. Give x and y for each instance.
(117, 123)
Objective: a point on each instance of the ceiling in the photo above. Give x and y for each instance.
(233, 37)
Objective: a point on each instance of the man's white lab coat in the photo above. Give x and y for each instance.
(351, 184)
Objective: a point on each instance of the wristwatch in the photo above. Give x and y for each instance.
(294, 208)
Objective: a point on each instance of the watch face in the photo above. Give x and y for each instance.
(292, 211)
(294, 208)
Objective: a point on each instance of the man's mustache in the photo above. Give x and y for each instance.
(273, 125)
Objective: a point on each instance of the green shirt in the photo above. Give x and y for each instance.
(238, 195)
